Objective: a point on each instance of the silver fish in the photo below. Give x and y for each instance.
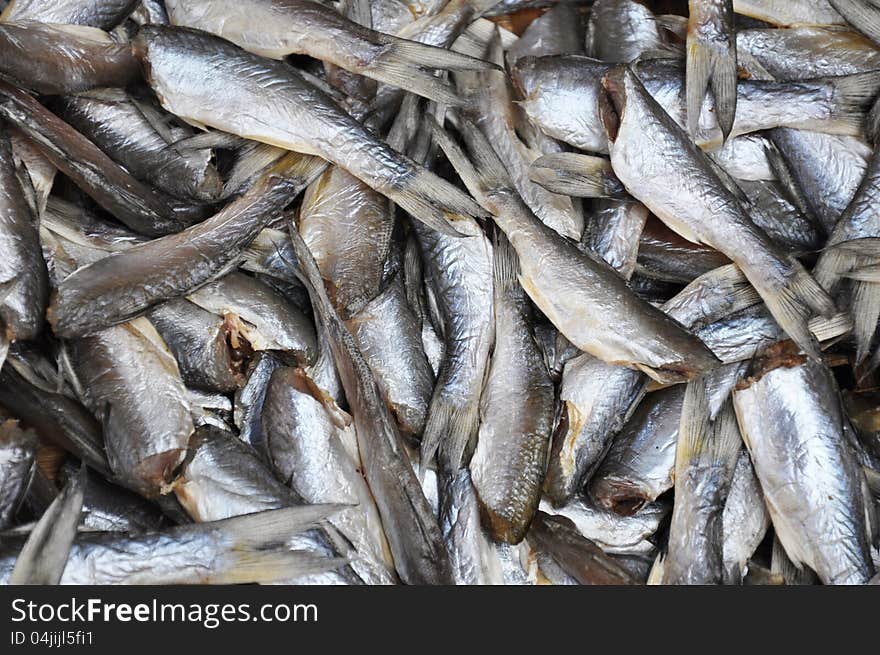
(18, 451)
(516, 413)
(245, 549)
(637, 126)
(790, 416)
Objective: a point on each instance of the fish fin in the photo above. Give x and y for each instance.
(865, 274)
(853, 96)
(866, 247)
(265, 567)
(707, 64)
(572, 174)
(505, 262)
(791, 189)
(704, 442)
(434, 201)
(448, 431)
(825, 329)
(872, 123)
(262, 529)
(44, 555)
(729, 182)
(865, 311)
(864, 15)
(390, 70)
(428, 56)
(795, 302)
(209, 139)
(482, 171)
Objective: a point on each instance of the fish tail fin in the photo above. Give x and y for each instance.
(481, 170)
(710, 65)
(854, 95)
(864, 15)
(257, 550)
(44, 556)
(872, 123)
(448, 431)
(505, 262)
(865, 312)
(702, 441)
(572, 174)
(793, 304)
(411, 66)
(434, 201)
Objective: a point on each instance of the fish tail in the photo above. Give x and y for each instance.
(707, 64)
(864, 15)
(433, 201)
(258, 550)
(793, 304)
(572, 174)
(448, 431)
(481, 170)
(865, 312)
(410, 65)
(505, 262)
(853, 95)
(702, 441)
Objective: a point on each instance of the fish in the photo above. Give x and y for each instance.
(19, 451)
(125, 129)
(711, 62)
(640, 463)
(104, 14)
(258, 318)
(24, 283)
(789, 413)
(863, 15)
(665, 255)
(744, 520)
(517, 409)
(472, 553)
(613, 533)
(825, 170)
(561, 95)
(642, 336)
(388, 335)
(492, 112)
(857, 222)
(577, 556)
(559, 31)
(265, 85)
(135, 204)
(599, 398)
(243, 549)
(43, 557)
(223, 477)
(59, 59)
(410, 526)
(636, 124)
(790, 12)
(101, 294)
(131, 383)
(313, 455)
(198, 339)
(55, 415)
(275, 30)
(806, 51)
(705, 459)
(458, 275)
(619, 31)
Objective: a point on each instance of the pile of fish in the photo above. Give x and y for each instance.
(439, 292)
